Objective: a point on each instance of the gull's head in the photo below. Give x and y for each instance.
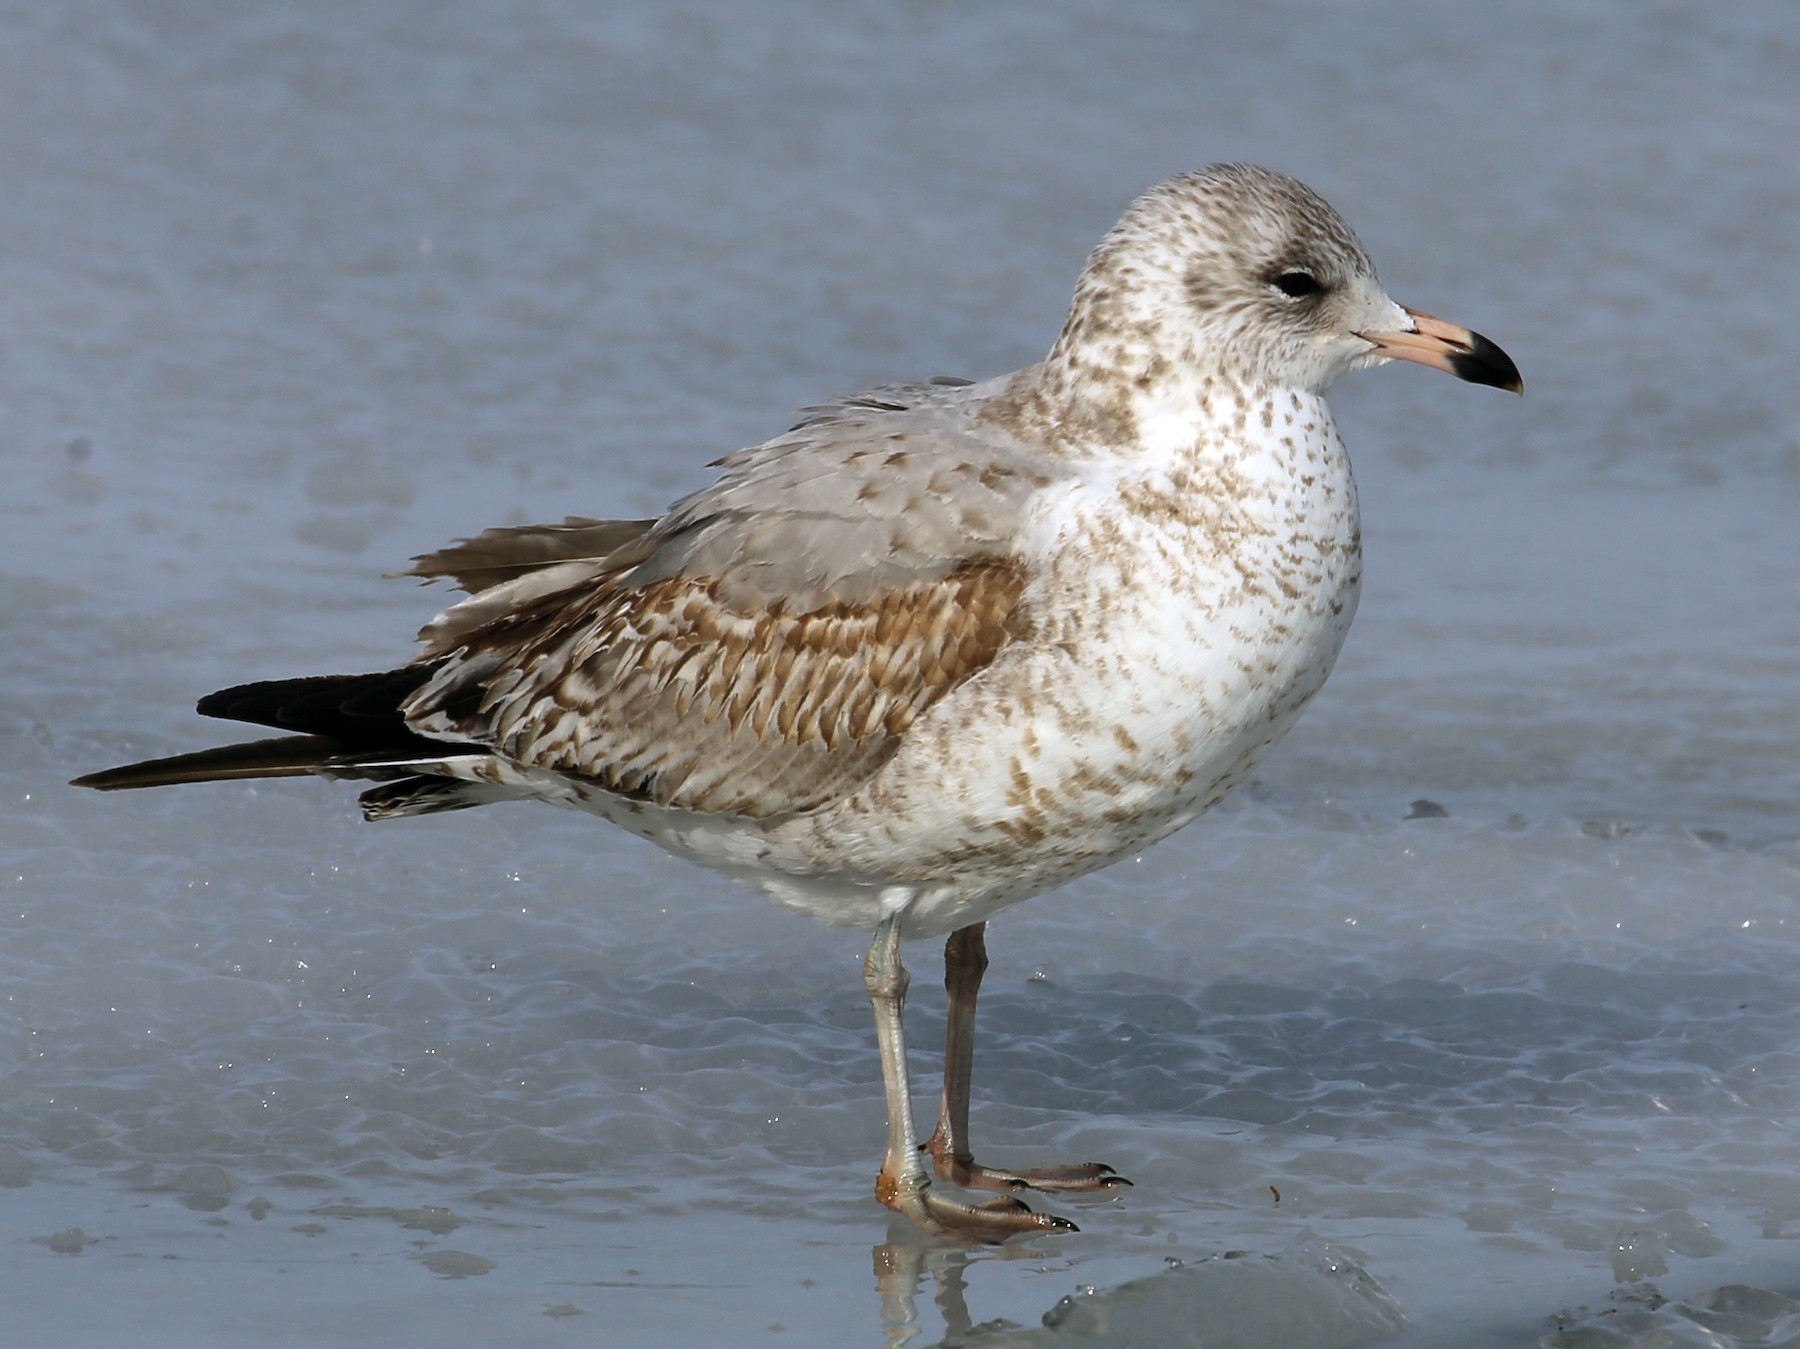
(1238, 273)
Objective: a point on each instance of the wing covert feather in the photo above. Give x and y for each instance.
(664, 694)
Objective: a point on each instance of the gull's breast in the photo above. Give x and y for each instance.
(1178, 622)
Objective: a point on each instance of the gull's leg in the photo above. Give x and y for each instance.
(965, 961)
(903, 1185)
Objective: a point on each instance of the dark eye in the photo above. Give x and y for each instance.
(1297, 285)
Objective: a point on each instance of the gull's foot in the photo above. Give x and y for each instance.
(967, 1172)
(992, 1220)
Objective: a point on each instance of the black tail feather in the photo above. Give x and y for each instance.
(350, 726)
(285, 756)
(352, 707)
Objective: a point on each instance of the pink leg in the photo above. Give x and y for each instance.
(965, 960)
(903, 1185)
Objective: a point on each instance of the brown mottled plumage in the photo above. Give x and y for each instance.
(665, 693)
(940, 646)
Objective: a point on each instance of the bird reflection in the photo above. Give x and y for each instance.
(900, 1270)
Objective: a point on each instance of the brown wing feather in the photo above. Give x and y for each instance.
(503, 554)
(665, 693)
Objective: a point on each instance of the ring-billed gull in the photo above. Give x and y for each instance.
(940, 646)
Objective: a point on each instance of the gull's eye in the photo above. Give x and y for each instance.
(1297, 285)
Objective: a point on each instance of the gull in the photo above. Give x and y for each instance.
(939, 647)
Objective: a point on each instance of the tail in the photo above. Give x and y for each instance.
(349, 726)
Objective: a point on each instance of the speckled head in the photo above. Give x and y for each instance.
(1241, 274)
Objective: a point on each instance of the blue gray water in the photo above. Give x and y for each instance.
(290, 293)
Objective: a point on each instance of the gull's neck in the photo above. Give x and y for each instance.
(1123, 396)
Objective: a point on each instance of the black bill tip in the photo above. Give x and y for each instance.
(1485, 363)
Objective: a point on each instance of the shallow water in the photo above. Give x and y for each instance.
(290, 295)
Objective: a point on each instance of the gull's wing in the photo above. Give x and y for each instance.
(508, 552)
(773, 636)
